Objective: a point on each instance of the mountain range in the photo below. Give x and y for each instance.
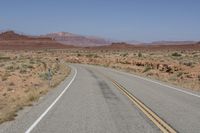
(11, 39)
(77, 40)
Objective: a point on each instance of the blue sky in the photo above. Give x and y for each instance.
(142, 20)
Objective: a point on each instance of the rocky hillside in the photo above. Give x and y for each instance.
(160, 47)
(77, 40)
(11, 35)
(11, 40)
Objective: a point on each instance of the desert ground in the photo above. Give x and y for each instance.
(180, 67)
(24, 73)
(24, 77)
(25, 62)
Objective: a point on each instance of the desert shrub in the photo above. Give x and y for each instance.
(4, 58)
(22, 70)
(189, 76)
(29, 66)
(32, 62)
(10, 68)
(125, 62)
(45, 65)
(78, 54)
(1, 65)
(89, 55)
(195, 55)
(92, 55)
(179, 74)
(33, 96)
(95, 56)
(173, 78)
(10, 89)
(124, 54)
(176, 54)
(4, 78)
(44, 76)
(11, 84)
(139, 54)
(39, 52)
(198, 77)
(24, 66)
(146, 69)
(113, 66)
(188, 64)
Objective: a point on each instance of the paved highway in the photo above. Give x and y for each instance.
(101, 100)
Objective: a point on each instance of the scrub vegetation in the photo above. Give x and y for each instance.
(24, 78)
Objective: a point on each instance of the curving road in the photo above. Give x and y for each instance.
(88, 102)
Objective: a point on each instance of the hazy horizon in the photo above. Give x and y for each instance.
(143, 21)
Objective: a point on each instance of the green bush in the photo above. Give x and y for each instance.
(78, 55)
(176, 54)
(124, 54)
(139, 54)
(179, 74)
(188, 64)
(26, 66)
(146, 69)
(92, 55)
(199, 77)
(4, 58)
(22, 70)
(4, 78)
(10, 68)
(44, 76)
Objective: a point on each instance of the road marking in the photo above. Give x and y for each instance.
(161, 124)
(54, 102)
(183, 91)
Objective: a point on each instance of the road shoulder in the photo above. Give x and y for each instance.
(28, 115)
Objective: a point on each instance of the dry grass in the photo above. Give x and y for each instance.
(24, 74)
(179, 67)
(21, 80)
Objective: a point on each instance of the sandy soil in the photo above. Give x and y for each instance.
(24, 74)
(24, 78)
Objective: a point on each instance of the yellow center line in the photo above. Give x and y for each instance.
(160, 123)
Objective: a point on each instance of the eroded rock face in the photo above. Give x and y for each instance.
(78, 40)
(13, 41)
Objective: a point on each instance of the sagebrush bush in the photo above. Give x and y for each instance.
(176, 54)
(146, 69)
(139, 54)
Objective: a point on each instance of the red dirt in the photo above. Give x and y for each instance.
(119, 46)
(12, 41)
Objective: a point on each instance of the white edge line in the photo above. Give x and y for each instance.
(54, 102)
(186, 92)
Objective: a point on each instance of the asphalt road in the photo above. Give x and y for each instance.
(87, 102)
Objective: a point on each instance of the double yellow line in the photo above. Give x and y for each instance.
(161, 124)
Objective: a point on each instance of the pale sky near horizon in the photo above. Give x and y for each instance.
(141, 20)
